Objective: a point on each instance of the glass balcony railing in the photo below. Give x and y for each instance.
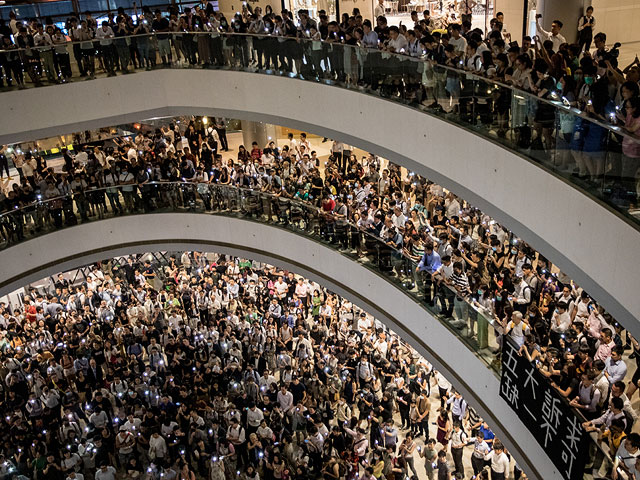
(591, 151)
(465, 317)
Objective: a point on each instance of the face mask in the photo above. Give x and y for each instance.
(498, 298)
(559, 85)
(588, 80)
(495, 249)
(532, 315)
(480, 292)
(514, 251)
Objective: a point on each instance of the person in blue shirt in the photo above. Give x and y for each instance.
(429, 264)
(487, 434)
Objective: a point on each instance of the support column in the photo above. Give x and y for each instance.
(259, 132)
(514, 11)
(567, 11)
(366, 8)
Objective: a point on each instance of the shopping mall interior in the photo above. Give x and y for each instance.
(389, 240)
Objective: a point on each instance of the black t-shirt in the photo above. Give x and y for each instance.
(383, 33)
(159, 25)
(297, 391)
(239, 26)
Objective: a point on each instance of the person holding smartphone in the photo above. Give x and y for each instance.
(586, 24)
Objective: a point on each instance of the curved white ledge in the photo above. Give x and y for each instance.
(79, 245)
(591, 244)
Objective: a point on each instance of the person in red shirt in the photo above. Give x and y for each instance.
(30, 310)
(256, 153)
(328, 204)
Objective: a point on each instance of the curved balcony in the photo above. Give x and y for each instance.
(51, 236)
(579, 224)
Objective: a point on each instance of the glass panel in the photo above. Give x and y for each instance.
(53, 9)
(23, 12)
(93, 5)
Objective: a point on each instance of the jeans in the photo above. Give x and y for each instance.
(77, 53)
(165, 50)
(427, 282)
(114, 200)
(107, 56)
(124, 55)
(49, 65)
(88, 61)
(460, 307)
(145, 52)
(64, 63)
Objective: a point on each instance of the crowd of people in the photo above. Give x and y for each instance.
(205, 366)
(459, 259)
(426, 71)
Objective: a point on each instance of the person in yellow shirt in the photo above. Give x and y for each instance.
(614, 435)
(377, 463)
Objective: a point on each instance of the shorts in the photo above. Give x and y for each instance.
(453, 86)
(164, 48)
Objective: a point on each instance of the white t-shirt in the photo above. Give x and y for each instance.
(281, 288)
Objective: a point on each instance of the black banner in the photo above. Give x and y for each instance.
(547, 415)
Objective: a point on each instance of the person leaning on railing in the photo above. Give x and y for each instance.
(29, 55)
(298, 57)
(10, 59)
(61, 54)
(43, 39)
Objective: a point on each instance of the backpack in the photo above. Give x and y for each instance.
(629, 421)
(535, 294)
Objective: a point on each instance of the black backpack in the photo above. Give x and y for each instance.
(629, 421)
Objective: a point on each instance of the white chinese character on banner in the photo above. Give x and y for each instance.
(529, 380)
(550, 416)
(570, 442)
(510, 391)
(533, 417)
(510, 359)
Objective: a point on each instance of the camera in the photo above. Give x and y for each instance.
(611, 56)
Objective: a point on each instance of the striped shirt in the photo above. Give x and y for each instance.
(461, 283)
